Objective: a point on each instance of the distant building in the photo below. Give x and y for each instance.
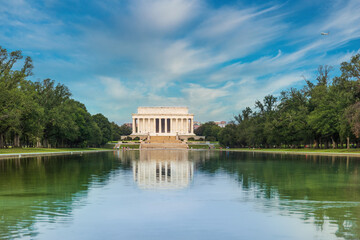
(220, 123)
(128, 124)
(196, 125)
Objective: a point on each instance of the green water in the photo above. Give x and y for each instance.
(180, 195)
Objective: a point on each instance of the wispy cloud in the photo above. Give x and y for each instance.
(214, 58)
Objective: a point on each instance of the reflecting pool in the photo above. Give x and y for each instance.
(180, 194)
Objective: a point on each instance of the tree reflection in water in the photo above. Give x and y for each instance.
(321, 189)
(47, 189)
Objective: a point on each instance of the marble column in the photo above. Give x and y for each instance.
(160, 125)
(166, 125)
(140, 125)
(192, 125)
(184, 125)
(137, 125)
(173, 125)
(133, 125)
(154, 125)
(181, 126)
(149, 125)
(143, 125)
(176, 125)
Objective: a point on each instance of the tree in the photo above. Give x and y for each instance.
(125, 130)
(328, 111)
(12, 97)
(227, 138)
(43, 113)
(210, 130)
(351, 70)
(54, 100)
(119, 131)
(105, 127)
(31, 124)
(353, 116)
(116, 132)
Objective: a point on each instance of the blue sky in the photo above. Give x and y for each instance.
(216, 57)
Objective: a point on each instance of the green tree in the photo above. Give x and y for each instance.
(210, 130)
(125, 130)
(42, 113)
(351, 70)
(54, 100)
(227, 138)
(105, 127)
(291, 123)
(12, 98)
(118, 131)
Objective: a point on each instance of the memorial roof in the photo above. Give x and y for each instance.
(163, 110)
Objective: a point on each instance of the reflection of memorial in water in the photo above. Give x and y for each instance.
(158, 169)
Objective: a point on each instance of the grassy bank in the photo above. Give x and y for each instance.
(46, 150)
(132, 146)
(203, 142)
(194, 146)
(344, 152)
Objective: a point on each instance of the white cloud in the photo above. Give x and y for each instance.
(118, 90)
(215, 60)
(163, 15)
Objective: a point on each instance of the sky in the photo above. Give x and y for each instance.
(215, 57)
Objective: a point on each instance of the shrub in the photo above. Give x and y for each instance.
(211, 138)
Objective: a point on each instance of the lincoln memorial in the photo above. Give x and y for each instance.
(163, 121)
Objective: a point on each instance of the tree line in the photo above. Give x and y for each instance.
(322, 114)
(43, 114)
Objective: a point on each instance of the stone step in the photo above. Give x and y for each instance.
(164, 145)
(163, 139)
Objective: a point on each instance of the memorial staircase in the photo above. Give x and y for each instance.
(168, 142)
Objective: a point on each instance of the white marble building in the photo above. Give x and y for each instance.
(163, 121)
